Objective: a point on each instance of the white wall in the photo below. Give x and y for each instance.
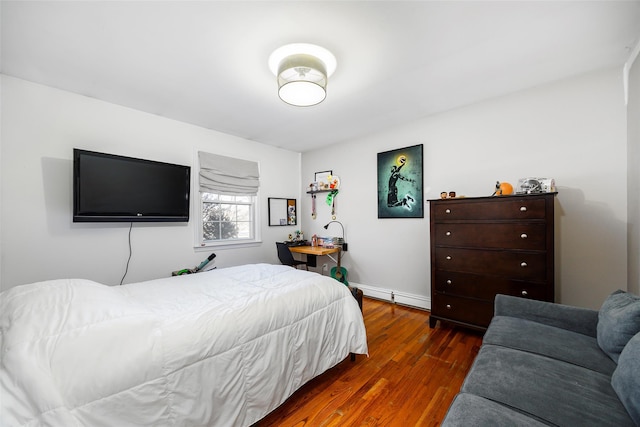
(633, 162)
(41, 126)
(573, 131)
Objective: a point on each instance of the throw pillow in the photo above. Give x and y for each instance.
(618, 322)
(626, 378)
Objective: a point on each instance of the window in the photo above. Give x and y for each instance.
(227, 218)
(228, 209)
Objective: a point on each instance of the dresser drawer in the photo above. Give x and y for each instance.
(491, 235)
(496, 209)
(463, 310)
(486, 287)
(514, 264)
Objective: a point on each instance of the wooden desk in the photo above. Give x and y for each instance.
(313, 251)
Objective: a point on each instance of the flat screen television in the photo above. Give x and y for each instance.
(111, 188)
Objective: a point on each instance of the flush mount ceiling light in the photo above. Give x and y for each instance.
(302, 71)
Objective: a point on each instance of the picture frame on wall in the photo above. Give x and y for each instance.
(282, 211)
(400, 183)
(322, 179)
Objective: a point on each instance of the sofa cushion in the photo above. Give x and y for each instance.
(618, 321)
(576, 319)
(552, 391)
(471, 410)
(626, 378)
(557, 343)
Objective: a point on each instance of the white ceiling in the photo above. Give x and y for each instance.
(205, 62)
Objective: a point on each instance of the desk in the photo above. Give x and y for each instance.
(313, 251)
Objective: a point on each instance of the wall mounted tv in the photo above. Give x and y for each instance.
(110, 188)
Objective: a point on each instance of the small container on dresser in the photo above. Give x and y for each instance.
(483, 246)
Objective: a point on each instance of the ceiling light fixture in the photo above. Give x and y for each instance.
(302, 70)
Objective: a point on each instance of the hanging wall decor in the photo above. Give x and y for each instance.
(282, 211)
(322, 180)
(400, 183)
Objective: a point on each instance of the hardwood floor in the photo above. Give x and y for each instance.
(409, 379)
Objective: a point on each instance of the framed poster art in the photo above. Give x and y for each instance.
(400, 183)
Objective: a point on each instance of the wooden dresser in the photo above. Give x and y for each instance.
(482, 246)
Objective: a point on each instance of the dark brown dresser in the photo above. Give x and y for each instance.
(483, 246)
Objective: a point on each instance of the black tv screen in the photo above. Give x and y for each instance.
(110, 188)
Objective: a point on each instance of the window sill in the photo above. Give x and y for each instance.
(227, 245)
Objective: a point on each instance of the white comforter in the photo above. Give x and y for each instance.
(223, 347)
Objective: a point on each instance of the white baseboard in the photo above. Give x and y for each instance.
(404, 298)
(413, 300)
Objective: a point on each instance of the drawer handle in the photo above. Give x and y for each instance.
(448, 306)
(448, 257)
(447, 211)
(524, 293)
(523, 208)
(449, 281)
(523, 236)
(523, 264)
(448, 233)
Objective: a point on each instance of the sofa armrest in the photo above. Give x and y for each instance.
(576, 319)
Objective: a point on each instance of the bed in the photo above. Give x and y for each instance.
(218, 348)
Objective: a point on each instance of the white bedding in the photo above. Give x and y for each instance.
(224, 347)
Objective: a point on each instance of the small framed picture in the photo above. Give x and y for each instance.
(322, 178)
(282, 211)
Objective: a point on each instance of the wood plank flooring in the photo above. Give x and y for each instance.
(409, 379)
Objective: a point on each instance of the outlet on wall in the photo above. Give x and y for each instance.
(325, 267)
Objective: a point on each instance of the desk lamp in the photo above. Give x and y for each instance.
(344, 244)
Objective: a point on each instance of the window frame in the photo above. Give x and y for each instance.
(255, 223)
(197, 210)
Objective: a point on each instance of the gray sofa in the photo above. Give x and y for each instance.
(551, 364)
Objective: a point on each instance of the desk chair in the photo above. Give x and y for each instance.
(286, 257)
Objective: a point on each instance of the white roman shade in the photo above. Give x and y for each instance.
(228, 175)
